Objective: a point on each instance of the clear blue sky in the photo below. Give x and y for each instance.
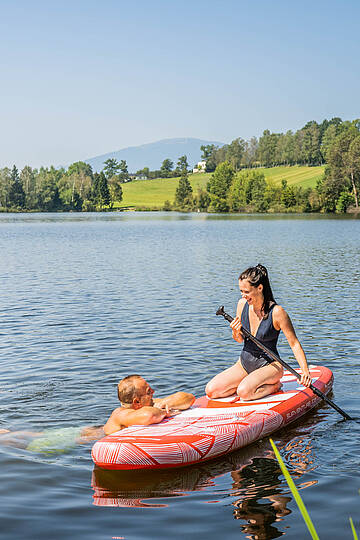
(82, 78)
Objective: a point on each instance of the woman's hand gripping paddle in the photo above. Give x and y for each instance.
(274, 356)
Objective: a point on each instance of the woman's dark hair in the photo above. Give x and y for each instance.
(258, 275)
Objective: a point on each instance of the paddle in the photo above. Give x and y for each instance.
(274, 356)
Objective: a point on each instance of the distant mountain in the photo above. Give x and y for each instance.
(153, 154)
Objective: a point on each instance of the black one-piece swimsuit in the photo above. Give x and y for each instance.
(252, 357)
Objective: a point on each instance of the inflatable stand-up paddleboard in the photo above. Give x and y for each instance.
(210, 428)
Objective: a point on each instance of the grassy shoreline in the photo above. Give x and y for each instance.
(152, 194)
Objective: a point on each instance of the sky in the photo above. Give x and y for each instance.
(82, 78)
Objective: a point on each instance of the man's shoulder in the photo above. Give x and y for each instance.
(119, 411)
(118, 419)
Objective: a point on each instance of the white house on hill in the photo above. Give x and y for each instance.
(200, 167)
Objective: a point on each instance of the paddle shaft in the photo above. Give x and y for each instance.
(275, 357)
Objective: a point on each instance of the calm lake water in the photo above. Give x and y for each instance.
(87, 299)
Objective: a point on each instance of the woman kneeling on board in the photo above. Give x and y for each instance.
(253, 377)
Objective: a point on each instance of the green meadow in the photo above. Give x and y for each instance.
(154, 193)
(304, 177)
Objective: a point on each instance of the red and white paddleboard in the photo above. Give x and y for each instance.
(210, 428)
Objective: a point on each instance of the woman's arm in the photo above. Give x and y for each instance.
(236, 324)
(281, 321)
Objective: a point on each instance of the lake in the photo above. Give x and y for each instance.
(87, 299)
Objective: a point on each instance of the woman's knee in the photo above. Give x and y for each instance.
(209, 389)
(244, 391)
(212, 390)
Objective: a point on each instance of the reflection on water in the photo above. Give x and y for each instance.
(132, 488)
(260, 497)
(48, 217)
(262, 501)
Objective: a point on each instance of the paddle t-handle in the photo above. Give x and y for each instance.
(226, 316)
(275, 357)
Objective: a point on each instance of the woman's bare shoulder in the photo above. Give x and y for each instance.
(278, 310)
(280, 316)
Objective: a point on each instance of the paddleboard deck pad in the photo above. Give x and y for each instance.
(210, 428)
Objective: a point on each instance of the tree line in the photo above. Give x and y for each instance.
(52, 190)
(235, 187)
(167, 169)
(76, 189)
(309, 145)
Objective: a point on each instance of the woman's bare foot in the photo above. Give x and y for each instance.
(4, 431)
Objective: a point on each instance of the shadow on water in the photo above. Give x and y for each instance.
(259, 495)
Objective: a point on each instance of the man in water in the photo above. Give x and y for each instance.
(137, 407)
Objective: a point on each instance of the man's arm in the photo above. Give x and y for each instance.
(179, 401)
(121, 418)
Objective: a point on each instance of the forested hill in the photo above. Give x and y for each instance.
(153, 154)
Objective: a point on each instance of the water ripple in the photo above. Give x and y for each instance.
(88, 299)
